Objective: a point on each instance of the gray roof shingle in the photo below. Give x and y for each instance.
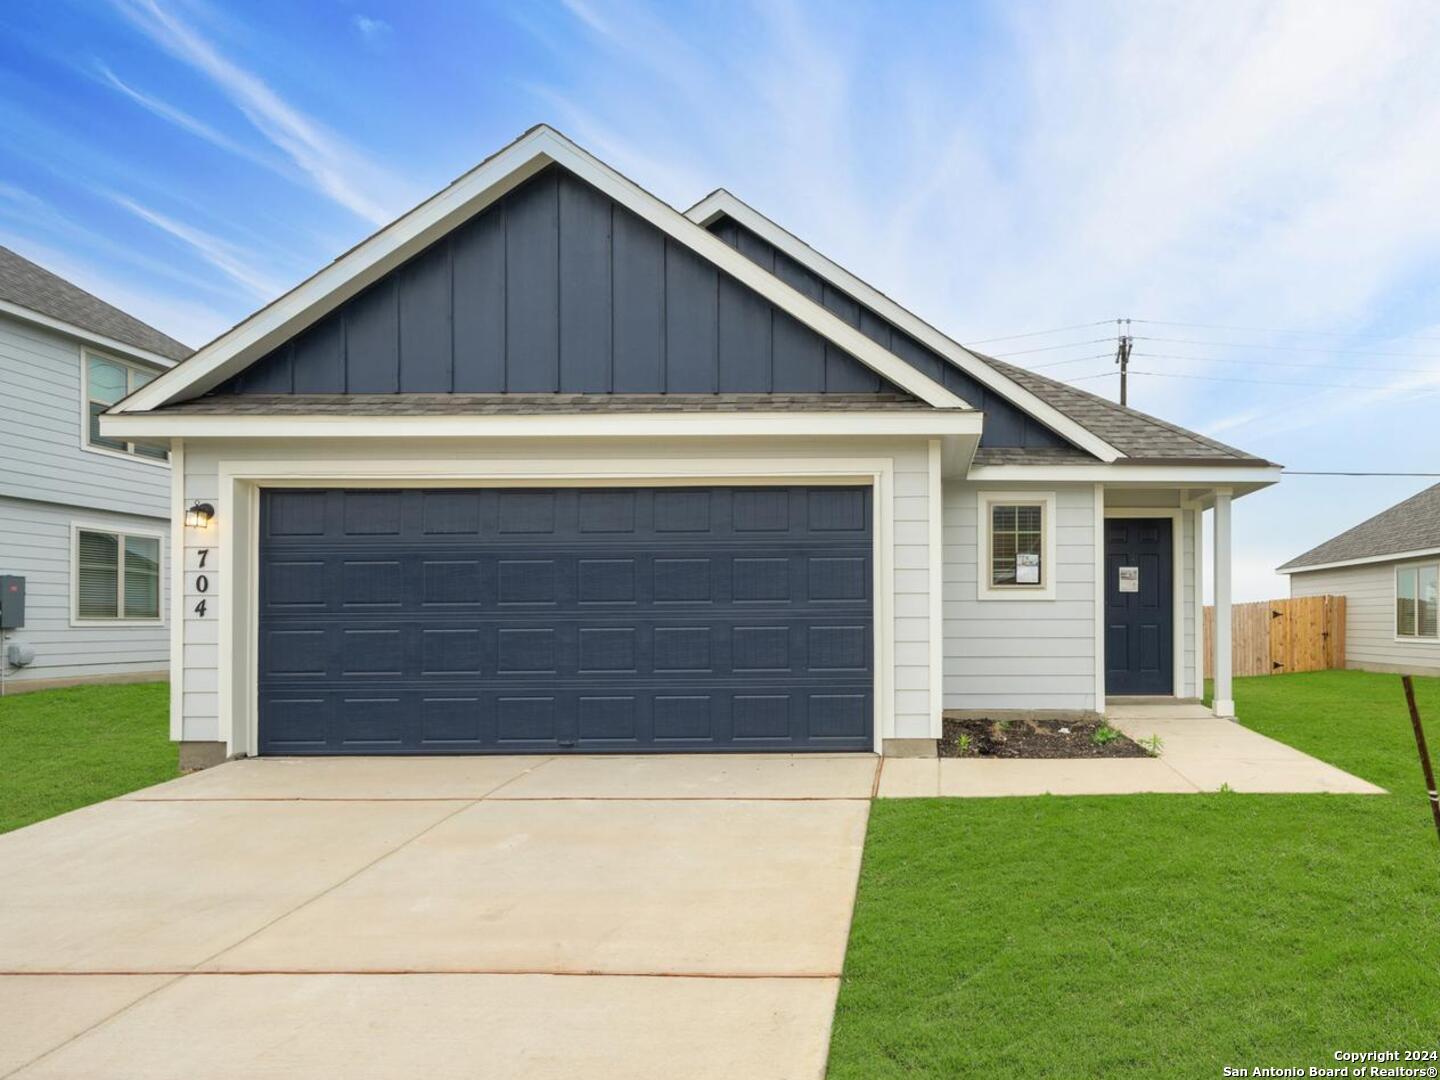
(531, 404)
(1032, 455)
(31, 286)
(1412, 525)
(1143, 439)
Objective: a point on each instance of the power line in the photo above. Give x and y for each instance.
(1072, 360)
(1052, 348)
(1305, 472)
(1039, 333)
(1277, 330)
(1287, 348)
(1286, 364)
(1275, 382)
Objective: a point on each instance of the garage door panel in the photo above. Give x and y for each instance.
(515, 620)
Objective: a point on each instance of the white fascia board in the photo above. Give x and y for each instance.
(1397, 556)
(462, 200)
(90, 337)
(721, 202)
(179, 425)
(1249, 477)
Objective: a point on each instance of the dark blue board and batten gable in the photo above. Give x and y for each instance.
(556, 288)
(1005, 423)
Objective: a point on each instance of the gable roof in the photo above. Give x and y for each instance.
(1411, 527)
(30, 286)
(722, 203)
(1111, 432)
(391, 246)
(1143, 439)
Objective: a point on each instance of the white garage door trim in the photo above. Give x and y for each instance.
(238, 520)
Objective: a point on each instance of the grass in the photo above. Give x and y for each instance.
(63, 749)
(1158, 935)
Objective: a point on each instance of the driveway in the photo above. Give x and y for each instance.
(462, 917)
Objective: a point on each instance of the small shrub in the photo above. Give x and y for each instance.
(963, 743)
(1104, 734)
(1152, 745)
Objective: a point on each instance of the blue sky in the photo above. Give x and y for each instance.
(1265, 172)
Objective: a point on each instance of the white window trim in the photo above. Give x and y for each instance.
(1410, 639)
(85, 445)
(984, 590)
(121, 531)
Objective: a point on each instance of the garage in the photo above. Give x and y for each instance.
(592, 619)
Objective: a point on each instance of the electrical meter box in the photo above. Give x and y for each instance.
(12, 602)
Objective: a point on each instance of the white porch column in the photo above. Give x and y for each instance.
(1224, 702)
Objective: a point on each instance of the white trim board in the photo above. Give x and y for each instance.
(90, 337)
(462, 200)
(722, 202)
(1177, 576)
(240, 483)
(895, 422)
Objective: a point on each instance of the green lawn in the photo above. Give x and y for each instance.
(61, 749)
(1158, 935)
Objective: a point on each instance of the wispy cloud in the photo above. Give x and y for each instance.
(186, 122)
(220, 254)
(336, 169)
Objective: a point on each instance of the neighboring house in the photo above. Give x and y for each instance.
(1388, 570)
(547, 464)
(84, 517)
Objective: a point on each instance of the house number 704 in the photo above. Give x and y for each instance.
(202, 583)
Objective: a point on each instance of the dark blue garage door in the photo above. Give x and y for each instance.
(534, 620)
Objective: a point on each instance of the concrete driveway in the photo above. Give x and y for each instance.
(464, 917)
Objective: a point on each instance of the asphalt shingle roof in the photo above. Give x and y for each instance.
(31, 286)
(1412, 525)
(1142, 438)
(1032, 455)
(531, 404)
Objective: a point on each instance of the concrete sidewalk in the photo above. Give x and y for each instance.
(524, 917)
(1198, 752)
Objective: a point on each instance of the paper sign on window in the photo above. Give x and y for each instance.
(1129, 579)
(1027, 569)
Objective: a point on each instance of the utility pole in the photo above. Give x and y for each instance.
(1122, 356)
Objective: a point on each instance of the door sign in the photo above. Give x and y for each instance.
(1129, 579)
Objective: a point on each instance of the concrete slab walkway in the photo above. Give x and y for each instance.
(1198, 752)
(509, 917)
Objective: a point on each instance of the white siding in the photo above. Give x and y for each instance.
(41, 454)
(1021, 654)
(1370, 642)
(909, 551)
(35, 542)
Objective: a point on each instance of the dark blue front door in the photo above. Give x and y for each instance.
(541, 620)
(1139, 606)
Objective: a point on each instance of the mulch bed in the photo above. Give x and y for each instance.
(1041, 738)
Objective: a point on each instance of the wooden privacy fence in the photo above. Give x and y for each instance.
(1304, 633)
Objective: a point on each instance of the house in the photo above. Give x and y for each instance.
(1388, 570)
(548, 464)
(84, 516)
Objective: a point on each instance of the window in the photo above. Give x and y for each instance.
(106, 382)
(1016, 545)
(117, 576)
(1417, 601)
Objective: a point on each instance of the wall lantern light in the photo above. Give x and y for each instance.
(199, 516)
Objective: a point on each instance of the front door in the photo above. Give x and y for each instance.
(1139, 606)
